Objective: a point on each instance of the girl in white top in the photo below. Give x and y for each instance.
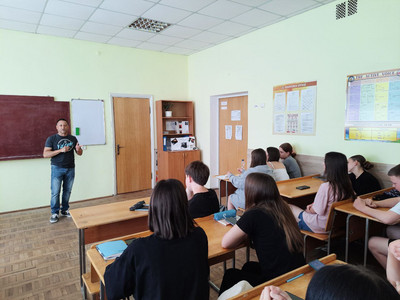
(278, 168)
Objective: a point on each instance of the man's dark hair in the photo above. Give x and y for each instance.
(198, 171)
(395, 171)
(169, 215)
(62, 119)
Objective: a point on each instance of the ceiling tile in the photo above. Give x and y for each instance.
(286, 7)
(13, 25)
(166, 14)
(178, 50)
(192, 44)
(134, 34)
(253, 3)
(35, 5)
(92, 37)
(112, 18)
(66, 9)
(101, 28)
(133, 7)
(94, 3)
(14, 14)
(55, 31)
(123, 42)
(230, 28)
(164, 40)
(210, 37)
(224, 9)
(200, 21)
(180, 31)
(256, 18)
(191, 5)
(61, 22)
(151, 46)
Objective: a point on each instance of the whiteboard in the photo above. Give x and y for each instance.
(88, 121)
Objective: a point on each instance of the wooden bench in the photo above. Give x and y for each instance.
(335, 226)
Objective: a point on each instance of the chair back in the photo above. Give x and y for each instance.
(329, 222)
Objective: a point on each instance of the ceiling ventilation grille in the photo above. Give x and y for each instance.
(341, 9)
(149, 25)
(351, 7)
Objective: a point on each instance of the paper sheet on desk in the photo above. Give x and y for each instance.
(222, 177)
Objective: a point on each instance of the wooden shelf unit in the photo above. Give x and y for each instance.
(171, 164)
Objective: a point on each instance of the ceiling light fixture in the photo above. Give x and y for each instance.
(149, 25)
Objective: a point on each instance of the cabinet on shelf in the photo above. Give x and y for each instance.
(171, 164)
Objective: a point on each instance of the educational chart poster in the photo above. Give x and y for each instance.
(373, 107)
(294, 108)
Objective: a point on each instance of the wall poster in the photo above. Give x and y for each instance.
(373, 107)
(295, 108)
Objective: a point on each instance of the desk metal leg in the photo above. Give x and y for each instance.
(366, 241)
(102, 291)
(346, 255)
(82, 259)
(233, 259)
(213, 286)
(247, 254)
(219, 192)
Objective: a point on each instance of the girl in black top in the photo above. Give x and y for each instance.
(172, 263)
(363, 182)
(271, 227)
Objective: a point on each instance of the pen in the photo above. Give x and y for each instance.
(295, 277)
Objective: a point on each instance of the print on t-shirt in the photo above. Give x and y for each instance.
(65, 142)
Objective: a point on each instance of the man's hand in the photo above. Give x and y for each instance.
(78, 147)
(65, 149)
(359, 203)
(371, 203)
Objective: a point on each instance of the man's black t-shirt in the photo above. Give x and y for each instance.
(56, 142)
(203, 204)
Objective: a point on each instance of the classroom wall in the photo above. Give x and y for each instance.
(33, 64)
(311, 46)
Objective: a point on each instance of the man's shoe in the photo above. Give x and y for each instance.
(54, 218)
(65, 214)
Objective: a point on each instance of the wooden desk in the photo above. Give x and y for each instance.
(287, 189)
(101, 222)
(216, 254)
(297, 286)
(349, 209)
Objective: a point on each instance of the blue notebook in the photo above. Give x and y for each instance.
(111, 250)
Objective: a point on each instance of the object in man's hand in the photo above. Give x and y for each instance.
(138, 205)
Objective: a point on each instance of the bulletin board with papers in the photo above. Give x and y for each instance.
(373, 107)
(295, 108)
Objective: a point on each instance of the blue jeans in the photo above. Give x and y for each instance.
(64, 176)
(302, 224)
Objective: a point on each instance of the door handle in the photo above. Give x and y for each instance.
(118, 147)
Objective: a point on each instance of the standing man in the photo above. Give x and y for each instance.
(60, 148)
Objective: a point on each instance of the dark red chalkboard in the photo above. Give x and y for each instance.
(25, 124)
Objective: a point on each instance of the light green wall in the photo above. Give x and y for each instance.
(311, 46)
(64, 68)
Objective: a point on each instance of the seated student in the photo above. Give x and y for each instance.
(202, 201)
(172, 263)
(379, 245)
(269, 224)
(277, 167)
(344, 282)
(258, 164)
(363, 182)
(287, 155)
(393, 264)
(337, 188)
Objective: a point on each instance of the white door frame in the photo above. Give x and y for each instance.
(153, 156)
(214, 134)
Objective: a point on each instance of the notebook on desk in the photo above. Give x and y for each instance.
(112, 249)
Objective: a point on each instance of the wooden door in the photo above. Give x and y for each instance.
(132, 144)
(232, 151)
